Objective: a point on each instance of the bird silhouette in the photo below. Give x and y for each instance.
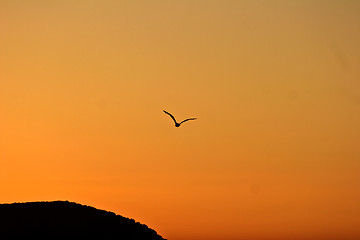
(176, 123)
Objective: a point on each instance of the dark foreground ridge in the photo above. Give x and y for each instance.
(68, 220)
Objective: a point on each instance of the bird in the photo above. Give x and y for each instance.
(176, 123)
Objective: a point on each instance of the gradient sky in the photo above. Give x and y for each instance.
(275, 152)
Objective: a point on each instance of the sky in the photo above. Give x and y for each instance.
(275, 85)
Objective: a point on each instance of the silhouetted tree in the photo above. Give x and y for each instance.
(67, 220)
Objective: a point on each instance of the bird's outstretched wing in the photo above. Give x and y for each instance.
(170, 115)
(187, 120)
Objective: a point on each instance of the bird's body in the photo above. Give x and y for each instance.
(176, 123)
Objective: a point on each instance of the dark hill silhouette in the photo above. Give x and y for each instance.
(67, 220)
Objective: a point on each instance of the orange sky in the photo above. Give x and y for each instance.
(275, 86)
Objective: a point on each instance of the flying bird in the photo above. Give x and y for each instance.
(176, 123)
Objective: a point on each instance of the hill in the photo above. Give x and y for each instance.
(68, 220)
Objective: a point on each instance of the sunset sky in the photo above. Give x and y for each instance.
(275, 85)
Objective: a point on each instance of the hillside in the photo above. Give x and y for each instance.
(68, 220)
